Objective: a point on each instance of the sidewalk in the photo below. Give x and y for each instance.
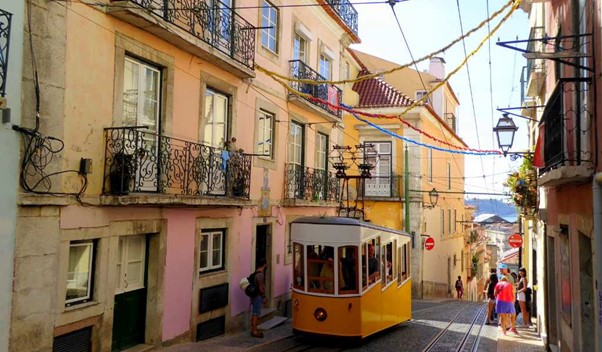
(238, 342)
(526, 341)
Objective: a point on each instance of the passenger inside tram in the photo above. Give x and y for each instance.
(348, 277)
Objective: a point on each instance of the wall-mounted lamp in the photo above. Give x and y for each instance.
(505, 130)
(433, 198)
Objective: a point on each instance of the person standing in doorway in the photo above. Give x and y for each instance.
(459, 287)
(260, 299)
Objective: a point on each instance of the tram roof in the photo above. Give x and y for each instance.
(337, 220)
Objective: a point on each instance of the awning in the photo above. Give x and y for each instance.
(510, 256)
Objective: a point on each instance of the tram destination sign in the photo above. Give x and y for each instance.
(515, 240)
(429, 243)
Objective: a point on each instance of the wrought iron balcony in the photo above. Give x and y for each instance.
(346, 12)
(568, 133)
(327, 92)
(5, 21)
(312, 185)
(212, 22)
(383, 186)
(138, 160)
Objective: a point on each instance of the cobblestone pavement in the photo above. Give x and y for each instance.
(411, 336)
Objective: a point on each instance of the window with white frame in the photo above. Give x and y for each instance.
(442, 223)
(141, 94)
(325, 66)
(269, 22)
(321, 151)
(79, 272)
(422, 93)
(299, 48)
(212, 250)
(380, 157)
(131, 263)
(455, 220)
(347, 72)
(216, 118)
(265, 134)
(449, 222)
(295, 145)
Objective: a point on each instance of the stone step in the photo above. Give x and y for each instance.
(275, 321)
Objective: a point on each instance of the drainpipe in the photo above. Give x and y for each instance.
(597, 256)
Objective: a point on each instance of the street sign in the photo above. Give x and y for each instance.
(429, 243)
(515, 240)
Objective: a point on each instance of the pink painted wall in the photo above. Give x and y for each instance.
(179, 266)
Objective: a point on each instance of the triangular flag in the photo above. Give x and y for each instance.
(538, 157)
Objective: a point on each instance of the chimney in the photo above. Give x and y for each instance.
(437, 67)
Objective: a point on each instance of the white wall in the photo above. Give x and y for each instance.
(9, 161)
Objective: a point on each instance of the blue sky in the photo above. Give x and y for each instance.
(429, 25)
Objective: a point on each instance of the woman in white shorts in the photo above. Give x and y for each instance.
(521, 296)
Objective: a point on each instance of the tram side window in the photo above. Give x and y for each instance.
(348, 270)
(400, 259)
(371, 262)
(404, 262)
(395, 261)
(299, 261)
(387, 263)
(320, 268)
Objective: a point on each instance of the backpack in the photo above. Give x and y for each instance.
(249, 285)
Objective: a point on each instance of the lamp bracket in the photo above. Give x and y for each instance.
(509, 111)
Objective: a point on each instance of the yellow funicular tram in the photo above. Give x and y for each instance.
(350, 278)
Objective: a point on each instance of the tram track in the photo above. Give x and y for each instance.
(438, 343)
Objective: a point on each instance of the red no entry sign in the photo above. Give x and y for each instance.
(429, 243)
(515, 240)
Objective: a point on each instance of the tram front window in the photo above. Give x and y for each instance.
(348, 270)
(299, 271)
(320, 269)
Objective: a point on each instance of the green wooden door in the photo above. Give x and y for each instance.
(129, 313)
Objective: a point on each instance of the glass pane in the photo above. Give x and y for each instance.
(217, 258)
(299, 266)
(204, 260)
(79, 271)
(372, 261)
(388, 262)
(348, 270)
(130, 93)
(134, 273)
(204, 242)
(135, 248)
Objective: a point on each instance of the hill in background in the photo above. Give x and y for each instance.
(493, 206)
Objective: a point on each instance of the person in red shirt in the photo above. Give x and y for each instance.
(504, 304)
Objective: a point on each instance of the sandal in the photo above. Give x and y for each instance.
(257, 334)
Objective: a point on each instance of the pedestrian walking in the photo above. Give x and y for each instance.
(504, 304)
(505, 272)
(522, 297)
(459, 288)
(260, 299)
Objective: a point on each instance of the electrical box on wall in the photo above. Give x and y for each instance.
(85, 166)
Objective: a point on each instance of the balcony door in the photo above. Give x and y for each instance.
(321, 173)
(296, 146)
(141, 108)
(380, 157)
(215, 136)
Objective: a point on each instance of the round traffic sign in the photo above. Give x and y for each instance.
(429, 243)
(515, 240)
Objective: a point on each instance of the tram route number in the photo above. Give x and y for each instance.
(429, 243)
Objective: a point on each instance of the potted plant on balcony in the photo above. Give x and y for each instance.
(523, 187)
(121, 173)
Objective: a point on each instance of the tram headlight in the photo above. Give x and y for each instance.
(320, 314)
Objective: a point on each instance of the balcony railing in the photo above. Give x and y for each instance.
(305, 183)
(217, 25)
(383, 186)
(346, 12)
(138, 160)
(568, 126)
(327, 92)
(5, 21)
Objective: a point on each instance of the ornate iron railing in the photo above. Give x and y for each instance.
(305, 183)
(217, 25)
(346, 12)
(568, 126)
(382, 186)
(138, 160)
(327, 92)
(5, 21)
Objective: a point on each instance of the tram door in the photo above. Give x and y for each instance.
(263, 249)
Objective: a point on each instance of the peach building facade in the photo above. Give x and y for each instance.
(182, 165)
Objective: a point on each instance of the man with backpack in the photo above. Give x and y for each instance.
(259, 298)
